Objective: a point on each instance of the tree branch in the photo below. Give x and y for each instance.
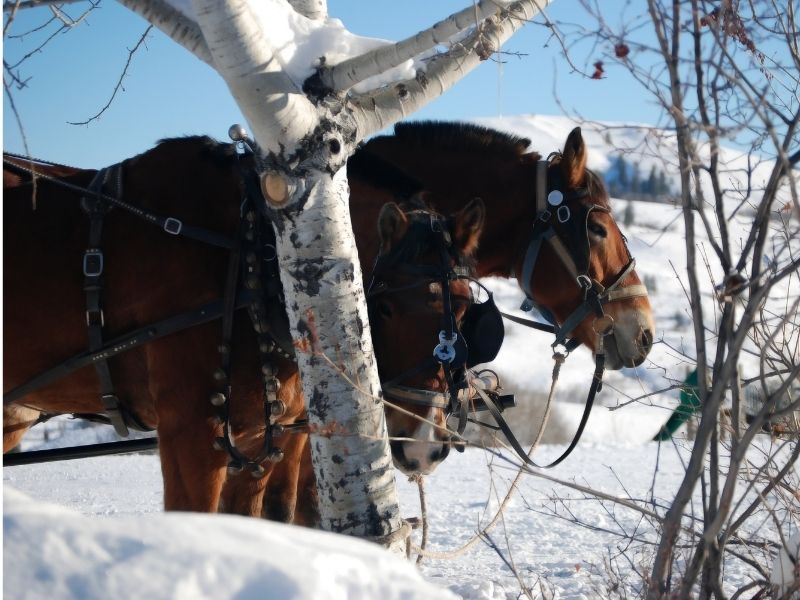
(117, 87)
(174, 24)
(343, 76)
(268, 97)
(316, 10)
(378, 109)
(25, 4)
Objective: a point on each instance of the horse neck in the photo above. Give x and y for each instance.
(190, 178)
(506, 187)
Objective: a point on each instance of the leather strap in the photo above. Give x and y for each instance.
(494, 410)
(170, 225)
(204, 314)
(93, 266)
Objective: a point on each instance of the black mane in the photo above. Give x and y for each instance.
(452, 136)
(219, 153)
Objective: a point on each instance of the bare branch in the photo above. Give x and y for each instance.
(25, 4)
(117, 87)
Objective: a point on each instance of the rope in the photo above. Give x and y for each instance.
(558, 359)
(450, 554)
(423, 509)
(479, 536)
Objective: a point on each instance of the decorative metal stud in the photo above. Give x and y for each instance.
(275, 455)
(257, 471)
(277, 408)
(237, 133)
(555, 198)
(217, 399)
(234, 467)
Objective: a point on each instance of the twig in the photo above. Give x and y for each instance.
(119, 82)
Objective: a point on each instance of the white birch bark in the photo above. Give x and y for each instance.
(378, 109)
(322, 283)
(279, 114)
(173, 23)
(311, 9)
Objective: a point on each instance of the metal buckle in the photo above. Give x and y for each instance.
(563, 214)
(545, 215)
(92, 263)
(94, 312)
(172, 225)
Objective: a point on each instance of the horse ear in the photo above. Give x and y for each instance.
(392, 226)
(573, 160)
(468, 224)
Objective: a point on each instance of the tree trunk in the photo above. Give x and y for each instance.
(323, 287)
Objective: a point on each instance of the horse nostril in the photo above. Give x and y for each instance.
(439, 455)
(646, 341)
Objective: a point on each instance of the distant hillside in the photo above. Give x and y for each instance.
(649, 155)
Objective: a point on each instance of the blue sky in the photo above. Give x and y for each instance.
(168, 92)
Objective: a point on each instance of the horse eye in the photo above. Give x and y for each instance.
(597, 229)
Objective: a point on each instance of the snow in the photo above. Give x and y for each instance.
(104, 535)
(51, 551)
(301, 44)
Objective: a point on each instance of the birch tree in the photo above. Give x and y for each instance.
(307, 120)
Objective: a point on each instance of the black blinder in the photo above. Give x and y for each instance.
(483, 331)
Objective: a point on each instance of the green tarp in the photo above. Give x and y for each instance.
(689, 404)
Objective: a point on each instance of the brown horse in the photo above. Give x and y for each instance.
(150, 274)
(456, 162)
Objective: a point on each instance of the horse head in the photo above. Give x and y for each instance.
(417, 300)
(577, 269)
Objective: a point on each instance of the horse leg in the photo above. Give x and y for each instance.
(307, 510)
(192, 469)
(280, 494)
(243, 494)
(17, 420)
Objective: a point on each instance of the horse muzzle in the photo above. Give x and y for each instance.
(418, 458)
(629, 342)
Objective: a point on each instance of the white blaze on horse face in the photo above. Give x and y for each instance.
(420, 454)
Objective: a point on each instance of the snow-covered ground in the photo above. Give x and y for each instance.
(107, 537)
(113, 542)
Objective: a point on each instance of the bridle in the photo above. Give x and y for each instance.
(551, 208)
(450, 353)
